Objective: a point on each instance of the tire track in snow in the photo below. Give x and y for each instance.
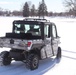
(17, 68)
(69, 51)
(69, 54)
(11, 68)
(69, 57)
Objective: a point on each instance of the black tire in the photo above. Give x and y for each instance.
(5, 58)
(32, 62)
(59, 53)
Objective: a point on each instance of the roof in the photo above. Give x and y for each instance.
(36, 19)
(45, 21)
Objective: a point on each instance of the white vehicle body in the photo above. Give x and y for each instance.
(31, 40)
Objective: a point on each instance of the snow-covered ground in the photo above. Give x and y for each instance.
(66, 30)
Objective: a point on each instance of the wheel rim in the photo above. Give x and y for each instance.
(35, 62)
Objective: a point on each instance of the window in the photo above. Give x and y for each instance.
(27, 28)
(46, 30)
(54, 31)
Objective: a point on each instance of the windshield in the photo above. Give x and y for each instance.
(27, 28)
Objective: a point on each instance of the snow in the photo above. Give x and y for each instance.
(65, 67)
(66, 30)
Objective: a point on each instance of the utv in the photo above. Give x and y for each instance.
(31, 40)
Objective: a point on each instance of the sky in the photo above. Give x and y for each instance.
(52, 5)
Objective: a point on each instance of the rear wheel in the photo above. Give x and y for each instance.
(59, 53)
(32, 61)
(5, 59)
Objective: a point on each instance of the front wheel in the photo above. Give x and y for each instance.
(32, 61)
(58, 53)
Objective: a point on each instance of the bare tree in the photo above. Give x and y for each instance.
(71, 5)
(1, 11)
(17, 13)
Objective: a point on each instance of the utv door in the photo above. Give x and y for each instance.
(55, 39)
(48, 47)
